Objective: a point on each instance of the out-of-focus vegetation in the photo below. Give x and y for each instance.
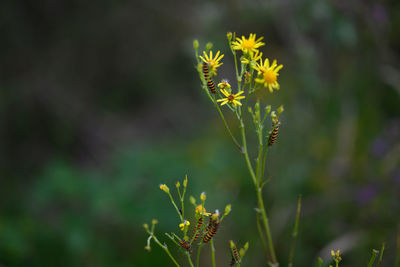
(100, 103)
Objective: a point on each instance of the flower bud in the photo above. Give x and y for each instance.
(146, 226)
(192, 200)
(232, 244)
(164, 188)
(229, 36)
(154, 221)
(178, 184)
(268, 109)
(280, 110)
(257, 112)
(215, 215)
(228, 209)
(203, 196)
(185, 181)
(209, 45)
(195, 44)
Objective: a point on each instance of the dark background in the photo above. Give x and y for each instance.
(100, 103)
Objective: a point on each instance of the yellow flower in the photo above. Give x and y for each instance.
(213, 62)
(182, 225)
(201, 210)
(253, 57)
(269, 74)
(224, 84)
(231, 98)
(248, 46)
(164, 188)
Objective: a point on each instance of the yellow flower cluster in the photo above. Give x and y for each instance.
(267, 73)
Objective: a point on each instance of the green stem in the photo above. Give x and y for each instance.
(198, 254)
(381, 254)
(260, 156)
(246, 154)
(227, 126)
(176, 207)
(397, 261)
(373, 257)
(264, 158)
(294, 233)
(189, 259)
(212, 252)
(259, 195)
(165, 248)
(247, 100)
(266, 224)
(261, 233)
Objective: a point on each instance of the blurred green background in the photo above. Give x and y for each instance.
(100, 103)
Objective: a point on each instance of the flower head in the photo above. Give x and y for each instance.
(248, 46)
(231, 98)
(252, 57)
(213, 62)
(201, 210)
(269, 74)
(203, 196)
(224, 84)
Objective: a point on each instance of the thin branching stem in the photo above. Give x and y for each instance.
(381, 255)
(176, 207)
(212, 248)
(165, 248)
(373, 257)
(198, 254)
(189, 259)
(227, 126)
(294, 233)
(397, 261)
(261, 234)
(259, 195)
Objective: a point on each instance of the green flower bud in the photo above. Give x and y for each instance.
(209, 45)
(228, 209)
(195, 44)
(268, 109)
(280, 110)
(192, 200)
(185, 181)
(229, 36)
(257, 112)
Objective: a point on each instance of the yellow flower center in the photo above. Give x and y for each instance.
(269, 76)
(211, 63)
(248, 44)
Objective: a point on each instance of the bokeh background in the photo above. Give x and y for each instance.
(100, 103)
